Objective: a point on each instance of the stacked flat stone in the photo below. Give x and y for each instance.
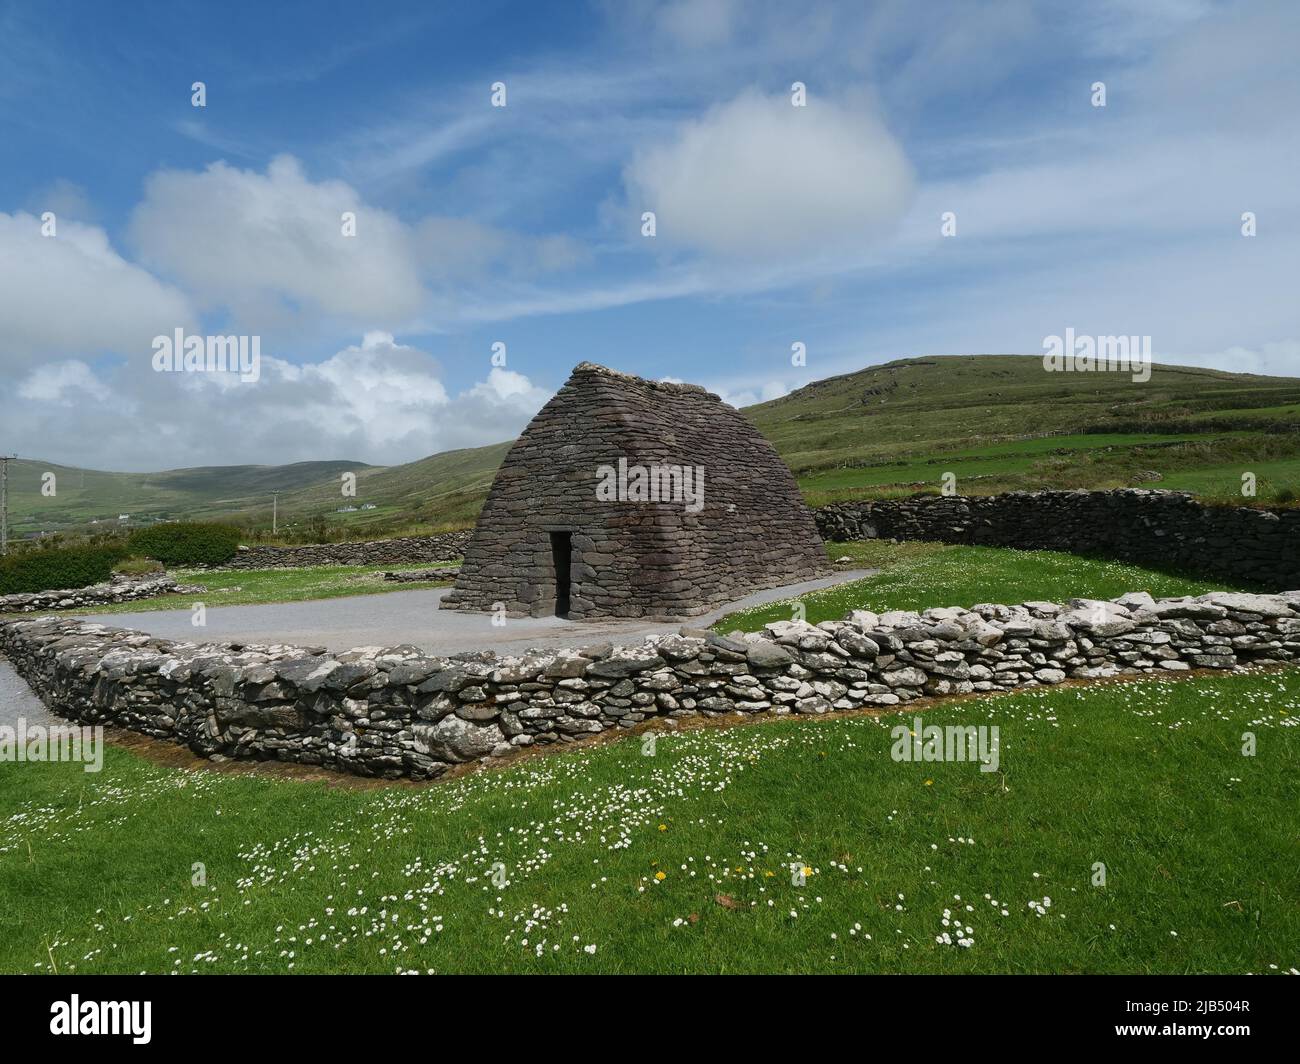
(93, 595)
(397, 711)
(636, 559)
(405, 550)
(415, 576)
(1141, 525)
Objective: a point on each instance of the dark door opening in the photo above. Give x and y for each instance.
(560, 557)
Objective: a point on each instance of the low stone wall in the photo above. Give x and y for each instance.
(1166, 529)
(408, 550)
(94, 595)
(415, 576)
(399, 712)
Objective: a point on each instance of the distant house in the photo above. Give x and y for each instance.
(124, 517)
(346, 510)
(368, 506)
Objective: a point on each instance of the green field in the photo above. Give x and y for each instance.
(999, 422)
(682, 856)
(916, 575)
(608, 860)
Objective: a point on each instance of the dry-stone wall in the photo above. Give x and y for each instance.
(122, 590)
(408, 550)
(415, 576)
(1160, 528)
(399, 712)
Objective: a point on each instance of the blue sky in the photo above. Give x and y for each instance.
(521, 224)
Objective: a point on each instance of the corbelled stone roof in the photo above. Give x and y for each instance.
(636, 559)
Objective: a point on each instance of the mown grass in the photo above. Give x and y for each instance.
(256, 586)
(917, 575)
(614, 861)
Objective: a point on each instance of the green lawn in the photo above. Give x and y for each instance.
(918, 575)
(243, 588)
(1274, 481)
(1198, 844)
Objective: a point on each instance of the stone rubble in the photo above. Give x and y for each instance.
(117, 590)
(397, 711)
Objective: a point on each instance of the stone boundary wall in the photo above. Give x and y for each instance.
(408, 550)
(1166, 529)
(94, 595)
(415, 576)
(399, 712)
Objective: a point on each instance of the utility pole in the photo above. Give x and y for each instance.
(5, 459)
(275, 512)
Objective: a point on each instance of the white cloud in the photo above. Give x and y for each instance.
(748, 396)
(236, 237)
(270, 248)
(379, 401)
(759, 176)
(59, 382)
(67, 199)
(72, 294)
(506, 387)
(1280, 358)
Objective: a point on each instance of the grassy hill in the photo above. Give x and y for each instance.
(1000, 422)
(997, 422)
(84, 495)
(442, 491)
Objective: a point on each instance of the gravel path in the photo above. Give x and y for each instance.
(413, 617)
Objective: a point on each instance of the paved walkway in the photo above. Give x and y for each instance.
(413, 617)
(18, 700)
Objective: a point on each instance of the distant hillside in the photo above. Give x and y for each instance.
(443, 490)
(85, 495)
(1001, 421)
(995, 421)
(920, 405)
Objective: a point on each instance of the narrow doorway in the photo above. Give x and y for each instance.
(560, 557)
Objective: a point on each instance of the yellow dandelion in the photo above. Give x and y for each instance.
(663, 827)
(929, 783)
(660, 876)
